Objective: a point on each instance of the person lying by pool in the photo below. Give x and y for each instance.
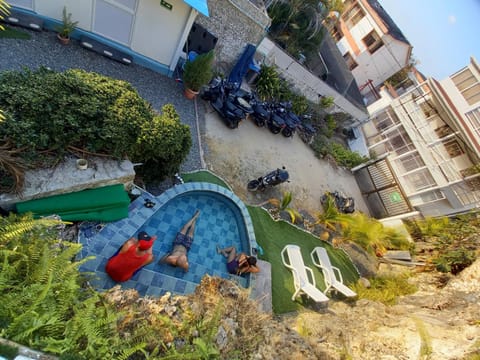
(131, 257)
(182, 243)
(238, 264)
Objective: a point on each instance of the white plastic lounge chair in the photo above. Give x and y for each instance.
(331, 274)
(301, 280)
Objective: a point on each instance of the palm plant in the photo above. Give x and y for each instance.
(282, 205)
(331, 218)
(367, 232)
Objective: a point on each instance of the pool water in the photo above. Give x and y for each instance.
(220, 223)
(223, 221)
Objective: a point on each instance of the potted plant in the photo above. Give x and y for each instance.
(197, 73)
(66, 28)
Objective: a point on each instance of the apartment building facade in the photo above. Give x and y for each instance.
(430, 137)
(372, 45)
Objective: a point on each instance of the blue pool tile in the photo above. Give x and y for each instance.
(154, 291)
(158, 280)
(141, 288)
(180, 286)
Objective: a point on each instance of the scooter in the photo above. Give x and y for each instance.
(306, 130)
(227, 102)
(276, 122)
(261, 111)
(344, 204)
(292, 121)
(271, 179)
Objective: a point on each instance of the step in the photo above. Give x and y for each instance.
(197, 271)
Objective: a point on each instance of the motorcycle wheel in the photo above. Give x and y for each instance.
(253, 185)
(274, 129)
(259, 122)
(287, 132)
(233, 124)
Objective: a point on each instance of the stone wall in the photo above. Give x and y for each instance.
(235, 23)
(66, 178)
(304, 81)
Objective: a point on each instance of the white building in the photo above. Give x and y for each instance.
(153, 32)
(372, 45)
(430, 137)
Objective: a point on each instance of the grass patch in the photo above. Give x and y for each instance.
(385, 289)
(204, 176)
(426, 344)
(11, 33)
(272, 236)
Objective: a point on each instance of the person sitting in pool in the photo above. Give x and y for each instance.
(238, 264)
(131, 257)
(182, 243)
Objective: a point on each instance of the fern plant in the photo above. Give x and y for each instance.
(45, 303)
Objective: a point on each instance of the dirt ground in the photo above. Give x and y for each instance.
(248, 152)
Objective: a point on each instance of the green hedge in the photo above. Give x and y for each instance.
(51, 112)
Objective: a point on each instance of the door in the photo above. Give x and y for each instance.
(114, 19)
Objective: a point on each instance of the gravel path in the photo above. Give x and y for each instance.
(43, 49)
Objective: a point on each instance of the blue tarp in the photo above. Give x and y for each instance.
(241, 67)
(200, 5)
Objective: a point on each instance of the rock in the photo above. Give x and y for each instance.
(365, 282)
(366, 263)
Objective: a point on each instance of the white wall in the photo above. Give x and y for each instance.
(81, 10)
(157, 31)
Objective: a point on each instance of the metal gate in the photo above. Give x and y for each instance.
(381, 190)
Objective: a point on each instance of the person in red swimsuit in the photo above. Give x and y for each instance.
(131, 257)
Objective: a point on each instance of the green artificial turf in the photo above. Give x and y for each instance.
(272, 236)
(204, 176)
(11, 33)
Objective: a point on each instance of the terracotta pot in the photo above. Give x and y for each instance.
(63, 40)
(190, 94)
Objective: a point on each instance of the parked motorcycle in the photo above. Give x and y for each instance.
(292, 121)
(261, 111)
(306, 130)
(344, 204)
(273, 178)
(276, 122)
(231, 103)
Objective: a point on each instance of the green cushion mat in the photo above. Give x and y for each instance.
(107, 203)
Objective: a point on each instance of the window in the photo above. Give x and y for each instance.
(432, 196)
(385, 120)
(468, 85)
(337, 33)
(443, 131)
(453, 148)
(353, 15)
(421, 180)
(410, 162)
(399, 142)
(352, 64)
(372, 41)
(474, 120)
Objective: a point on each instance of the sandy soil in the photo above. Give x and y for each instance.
(248, 152)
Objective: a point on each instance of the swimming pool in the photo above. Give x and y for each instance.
(223, 220)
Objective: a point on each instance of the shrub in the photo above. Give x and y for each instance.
(162, 144)
(268, 82)
(346, 157)
(385, 289)
(326, 102)
(52, 113)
